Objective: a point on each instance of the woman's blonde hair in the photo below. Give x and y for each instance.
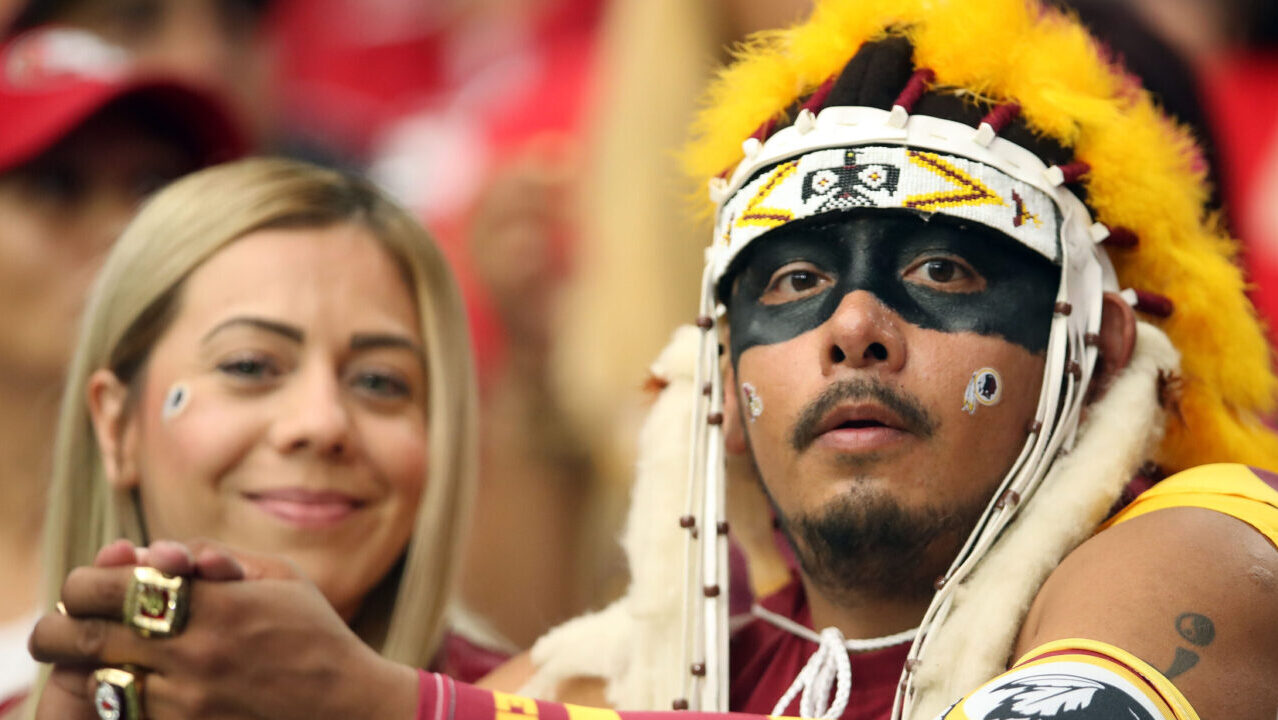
(136, 295)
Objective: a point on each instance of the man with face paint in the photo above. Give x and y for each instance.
(972, 309)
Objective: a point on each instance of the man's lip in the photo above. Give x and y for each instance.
(860, 416)
(306, 507)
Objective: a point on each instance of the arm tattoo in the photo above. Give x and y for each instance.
(1197, 630)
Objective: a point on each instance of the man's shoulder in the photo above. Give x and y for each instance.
(1186, 579)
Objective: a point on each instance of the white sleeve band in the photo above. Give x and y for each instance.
(1063, 681)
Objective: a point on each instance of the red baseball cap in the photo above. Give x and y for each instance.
(53, 79)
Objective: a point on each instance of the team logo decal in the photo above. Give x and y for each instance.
(985, 387)
(1058, 696)
(175, 401)
(850, 186)
(754, 403)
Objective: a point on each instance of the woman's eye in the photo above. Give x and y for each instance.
(381, 385)
(793, 283)
(248, 368)
(948, 274)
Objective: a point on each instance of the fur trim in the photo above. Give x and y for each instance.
(633, 642)
(1146, 175)
(973, 643)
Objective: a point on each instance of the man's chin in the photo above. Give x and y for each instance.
(865, 543)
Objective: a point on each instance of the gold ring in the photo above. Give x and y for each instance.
(118, 695)
(155, 603)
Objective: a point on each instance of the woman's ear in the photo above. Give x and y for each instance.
(1117, 340)
(116, 433)
(734, 441)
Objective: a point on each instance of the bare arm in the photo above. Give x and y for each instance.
(1190, 591)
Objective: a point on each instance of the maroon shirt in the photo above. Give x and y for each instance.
(465, 660)
(766, 659)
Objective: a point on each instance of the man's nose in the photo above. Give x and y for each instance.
(863, 332)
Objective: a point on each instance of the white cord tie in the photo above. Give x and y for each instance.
(827, 668)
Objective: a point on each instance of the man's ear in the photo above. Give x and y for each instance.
(1117, 338)
(734, 441)
(108, 400)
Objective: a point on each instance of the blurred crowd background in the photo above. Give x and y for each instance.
(535, 139)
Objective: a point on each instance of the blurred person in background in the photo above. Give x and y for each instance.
(223, 45)
(82, 141)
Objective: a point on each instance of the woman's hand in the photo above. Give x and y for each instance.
(269, 646)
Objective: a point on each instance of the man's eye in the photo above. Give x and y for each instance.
(946, 274)
(793, 283)
(942, 270)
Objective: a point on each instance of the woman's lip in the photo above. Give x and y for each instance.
(306, 508)
(867, 439)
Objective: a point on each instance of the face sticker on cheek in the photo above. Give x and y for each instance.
(175, 401)
(985, 387)
(754, 403)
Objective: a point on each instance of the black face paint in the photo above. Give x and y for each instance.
(873, 250)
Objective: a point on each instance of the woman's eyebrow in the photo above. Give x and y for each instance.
(366, 341)
(272, 326)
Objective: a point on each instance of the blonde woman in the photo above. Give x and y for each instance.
(275, 357)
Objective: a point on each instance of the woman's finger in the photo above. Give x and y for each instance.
(116, 554)
(221, 560)
(216, 565)
(170, 557)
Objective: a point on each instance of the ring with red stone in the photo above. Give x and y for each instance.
(118, 695)
(156, 604)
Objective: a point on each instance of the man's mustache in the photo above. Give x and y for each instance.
(911, 412)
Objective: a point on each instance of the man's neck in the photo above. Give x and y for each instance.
(28, 412)
(862, 616)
